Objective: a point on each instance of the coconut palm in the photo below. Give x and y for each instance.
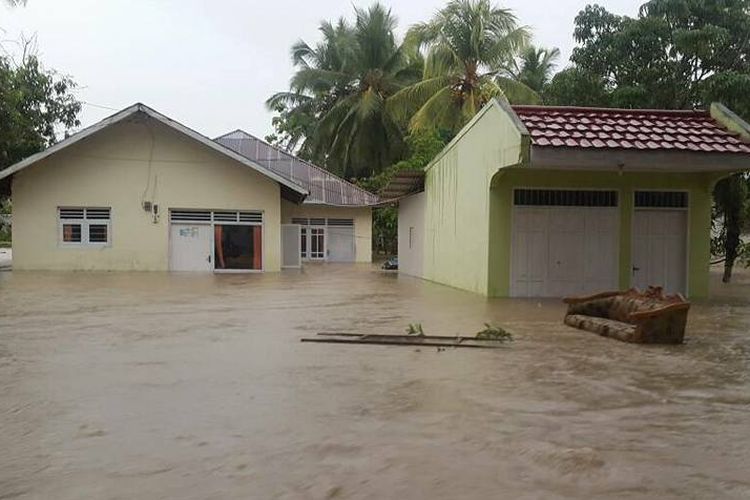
(535, 66)
(344, 81)
(467, 43)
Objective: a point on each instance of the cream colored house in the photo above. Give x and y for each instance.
(139, 191)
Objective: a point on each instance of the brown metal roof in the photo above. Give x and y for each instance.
(324, 187)
(403, 183)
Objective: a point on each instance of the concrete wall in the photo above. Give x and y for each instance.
(698, 185)
(362, 222)
(457, 199)
(112, 169)
(411, 235)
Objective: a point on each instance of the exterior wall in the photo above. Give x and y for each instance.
(112, 169)
(362, 222)
(698, 185)
(457, 200)
(411, 250)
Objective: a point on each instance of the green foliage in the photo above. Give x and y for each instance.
(423, 146)
(415, 329)
(34, 103)
(731, 211)
(494, 332)
(335, 108)
(574, 87)
(534, 67)
(469, 44)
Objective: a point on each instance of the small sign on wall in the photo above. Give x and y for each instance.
(189, 232)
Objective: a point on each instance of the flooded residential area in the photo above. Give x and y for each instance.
(196, 386)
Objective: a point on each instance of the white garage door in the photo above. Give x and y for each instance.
(563, 242)
(660, 240)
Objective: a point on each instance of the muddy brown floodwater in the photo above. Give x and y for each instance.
(150, 385)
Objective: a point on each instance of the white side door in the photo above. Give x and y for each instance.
(190, 247)
(291, 239)
(660, 249)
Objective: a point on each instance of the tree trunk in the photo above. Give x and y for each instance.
(731, 245)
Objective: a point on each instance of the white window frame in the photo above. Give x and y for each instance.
(85, 223)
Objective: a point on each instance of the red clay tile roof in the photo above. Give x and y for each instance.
(633, 129)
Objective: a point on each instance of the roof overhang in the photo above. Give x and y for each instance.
(403, 184)
(289, 189)
(642, 161)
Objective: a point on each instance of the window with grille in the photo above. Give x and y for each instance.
(84, 226)
(661, 199)
(564, 198)
(216, 216)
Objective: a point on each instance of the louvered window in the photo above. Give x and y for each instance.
(564, 198)
(84, 226)
(216, 216)
(341, 222)
(661, 199)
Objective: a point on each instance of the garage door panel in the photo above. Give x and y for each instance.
(566, 251)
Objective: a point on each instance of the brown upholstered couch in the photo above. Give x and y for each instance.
(647, 317)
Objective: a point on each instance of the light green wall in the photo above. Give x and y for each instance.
(457, 201)
(699, 186)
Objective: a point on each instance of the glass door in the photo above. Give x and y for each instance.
(316, 243)
(238, 247)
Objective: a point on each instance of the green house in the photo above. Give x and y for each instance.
(536, 201)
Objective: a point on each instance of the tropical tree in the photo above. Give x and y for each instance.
(534, 67)
(335, 109)
(468, 43)
(35, 103)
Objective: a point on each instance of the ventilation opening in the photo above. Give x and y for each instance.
(661, 199)
(564, 198)
(207, 216)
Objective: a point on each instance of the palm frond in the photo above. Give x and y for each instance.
(517, 92)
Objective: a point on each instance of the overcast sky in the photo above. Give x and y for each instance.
(212, 64)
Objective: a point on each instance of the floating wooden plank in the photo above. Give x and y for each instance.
(411, 340)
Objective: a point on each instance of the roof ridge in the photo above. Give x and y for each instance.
(298, 159)
(678, 112)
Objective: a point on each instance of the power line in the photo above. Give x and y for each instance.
(100, 106)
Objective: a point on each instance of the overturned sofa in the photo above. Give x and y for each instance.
(648, 317)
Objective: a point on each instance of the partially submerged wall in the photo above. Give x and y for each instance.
(119, 167)
(411, 235)
(457, 199)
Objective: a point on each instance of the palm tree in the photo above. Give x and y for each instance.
(344, 82)
(535, 66)
(468, 43)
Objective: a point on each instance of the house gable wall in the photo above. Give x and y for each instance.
(457, 199)
(119, 167)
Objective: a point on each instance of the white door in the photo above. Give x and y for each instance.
(291, 239)
(660, 249)
(341, 246)
(190, 247)
(560, 251)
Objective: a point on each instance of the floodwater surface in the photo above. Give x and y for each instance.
(151, 385)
